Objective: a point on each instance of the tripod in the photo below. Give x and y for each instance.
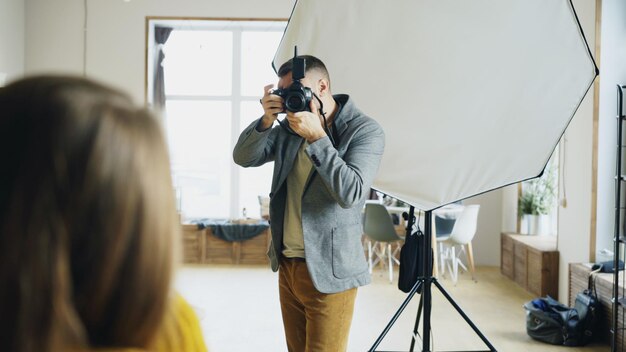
(425, 284)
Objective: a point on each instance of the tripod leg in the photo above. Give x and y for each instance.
(427, 255)
(425, 284)
(465, 317)
(417, 323)
(395, 317)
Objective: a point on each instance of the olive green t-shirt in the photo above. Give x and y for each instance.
(293, 238)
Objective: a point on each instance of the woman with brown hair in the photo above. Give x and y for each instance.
(87, 223)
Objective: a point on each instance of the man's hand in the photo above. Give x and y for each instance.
(272, 106)
(306, 124)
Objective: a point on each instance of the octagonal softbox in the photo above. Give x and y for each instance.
(473, 95)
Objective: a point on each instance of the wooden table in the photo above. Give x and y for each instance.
(201, 246)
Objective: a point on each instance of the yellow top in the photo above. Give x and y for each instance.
(180, 332)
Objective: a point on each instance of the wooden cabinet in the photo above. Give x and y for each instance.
(506, 256)
(193, 244)
(532, 262)
(520, 264)
(201, 246)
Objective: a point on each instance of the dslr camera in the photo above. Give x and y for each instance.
(297, 97)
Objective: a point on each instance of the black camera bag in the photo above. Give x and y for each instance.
(549, 321)
(588, 307)
(412, 261)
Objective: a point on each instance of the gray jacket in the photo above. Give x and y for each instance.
(333, 197)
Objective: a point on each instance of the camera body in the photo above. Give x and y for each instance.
(297, 97)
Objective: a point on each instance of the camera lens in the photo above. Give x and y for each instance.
(295, 103)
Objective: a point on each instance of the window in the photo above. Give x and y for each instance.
(214, 73)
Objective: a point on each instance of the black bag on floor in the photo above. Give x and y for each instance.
(549, 321)
(588, 308)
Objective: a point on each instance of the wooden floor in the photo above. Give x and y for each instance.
(239, 311)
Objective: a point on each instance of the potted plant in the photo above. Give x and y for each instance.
(538, 197)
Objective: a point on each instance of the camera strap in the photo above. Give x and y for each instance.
(325, 125)
(285, 125)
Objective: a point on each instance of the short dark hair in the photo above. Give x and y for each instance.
(312, 64)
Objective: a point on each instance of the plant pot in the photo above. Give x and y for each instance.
(530, 224)
(543, 225)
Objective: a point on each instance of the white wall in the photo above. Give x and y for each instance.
(116, 36)
(54, 36)
(575, 219)
(11, 38)
(612, 72)
(509, 208)
(486, 242)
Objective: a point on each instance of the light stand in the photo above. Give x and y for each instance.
(425, 283)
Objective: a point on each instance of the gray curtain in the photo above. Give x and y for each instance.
(161, 34)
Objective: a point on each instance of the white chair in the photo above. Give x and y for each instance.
(451, 247)
(381, 237)
(443, 223)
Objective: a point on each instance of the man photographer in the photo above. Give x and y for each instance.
(325, 161)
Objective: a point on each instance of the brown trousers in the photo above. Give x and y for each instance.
(313, 321)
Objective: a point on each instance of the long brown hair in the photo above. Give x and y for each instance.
(87, 218)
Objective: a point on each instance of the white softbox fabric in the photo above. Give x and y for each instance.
(473, 95)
